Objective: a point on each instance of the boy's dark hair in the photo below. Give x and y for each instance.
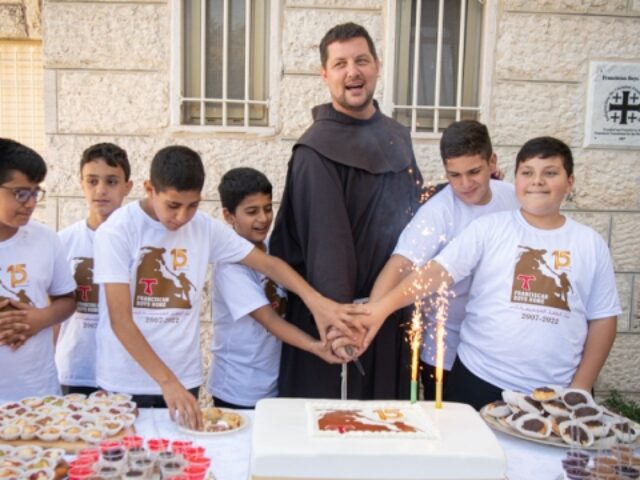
(466, 137)
(546, 147)
(112, 154)
(15, 157)
(177, 167)
(342, 33)
(239, 183)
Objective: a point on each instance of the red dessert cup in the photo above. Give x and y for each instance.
(194, 451)
(109, 445)
(132, 441)
(158, 444)
(203, 462)
(82, 462)
(91, 452)
(80, 473)
(194, 473)
(179, 446)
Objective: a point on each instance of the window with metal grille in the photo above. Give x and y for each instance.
(21, 92)
(225, 62)
(437, 58)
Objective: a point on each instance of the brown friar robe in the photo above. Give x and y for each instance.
(352, 186)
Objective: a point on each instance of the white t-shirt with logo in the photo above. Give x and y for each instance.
(435, 224)
(532, 294)
(166, 272)
(76, 346)
(32, 268)
(246, 357)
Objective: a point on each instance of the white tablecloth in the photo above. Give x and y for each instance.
(230, 453)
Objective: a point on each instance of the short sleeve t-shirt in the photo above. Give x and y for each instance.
(33, 267)
(246, 357)
(76, 346)
(166, 271)
(435, 224)
(532, 293)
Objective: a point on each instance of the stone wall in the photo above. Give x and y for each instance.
(108, 79)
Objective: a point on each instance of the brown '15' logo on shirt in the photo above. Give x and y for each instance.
(157, 285)
(536, 283)
(18, 276)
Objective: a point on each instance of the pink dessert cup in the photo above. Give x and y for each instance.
(203, 462)
(194, 473)
(80, 473)
(132, 441)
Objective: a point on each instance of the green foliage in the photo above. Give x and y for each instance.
(616, 402)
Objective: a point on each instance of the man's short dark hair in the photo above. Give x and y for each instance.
(15, 157)
(546, 147)
(239, 183)
(177, 167)
(466, 137)
(342, 33)
(112, 154)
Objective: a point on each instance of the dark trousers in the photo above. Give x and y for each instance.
(157, 401)
(464, 387)
(428, 376)
(67, 389)
(222, 404)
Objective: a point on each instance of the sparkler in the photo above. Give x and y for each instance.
(415, 340)
(442, 307)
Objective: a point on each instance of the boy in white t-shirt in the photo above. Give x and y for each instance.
(247, 326)
(36, 286)
(469, 163)
(151, 259)
(543, 301)
(104, 179)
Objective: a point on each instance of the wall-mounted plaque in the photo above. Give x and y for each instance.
(613, 108)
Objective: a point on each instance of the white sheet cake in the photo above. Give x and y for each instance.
(362, 441)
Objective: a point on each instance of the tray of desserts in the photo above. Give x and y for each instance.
(32, 462)
(68, 422)
(560, 417)
(218, 421)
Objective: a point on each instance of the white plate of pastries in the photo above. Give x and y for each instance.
(562, 417)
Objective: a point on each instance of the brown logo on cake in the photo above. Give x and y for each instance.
(157, 285)
(536, 283)
(87, 291)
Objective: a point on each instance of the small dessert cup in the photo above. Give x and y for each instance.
(179, 446)
(577, 473)
(627, 471)
(157, 445)
(202, 462)
(194, 473)
(136, 453)
(172, 468)
(80, 473)
(194, 451)
(82, 462)
(114, 457)
(582, 455)
(145, 465)
(92, 452)
(132, 441)
(40, 474)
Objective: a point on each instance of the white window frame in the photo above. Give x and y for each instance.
(175, 89)
(487, 58)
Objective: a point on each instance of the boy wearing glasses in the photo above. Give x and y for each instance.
(104, 178)
(36, 286)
